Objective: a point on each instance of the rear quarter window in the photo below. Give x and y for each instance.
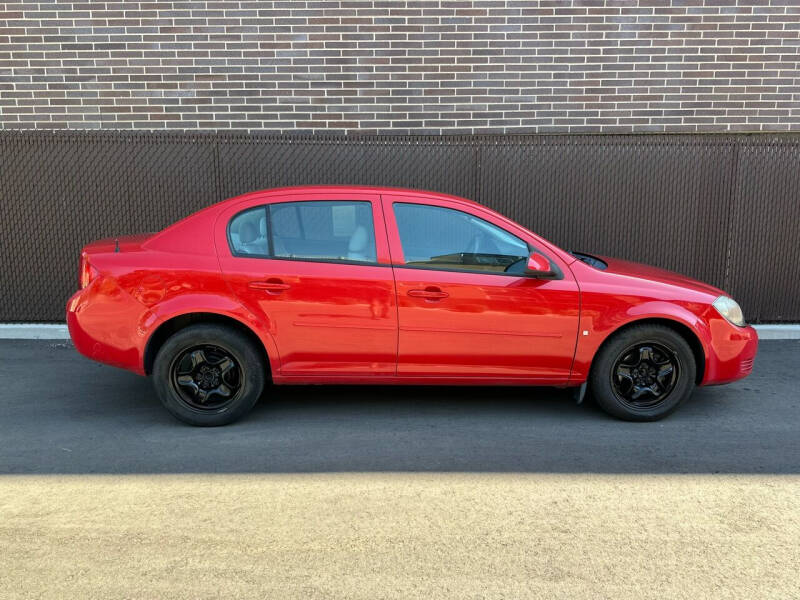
(247, 233)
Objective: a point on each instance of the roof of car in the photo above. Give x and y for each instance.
(374, 189)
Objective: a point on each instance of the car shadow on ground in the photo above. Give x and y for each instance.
(75, 416)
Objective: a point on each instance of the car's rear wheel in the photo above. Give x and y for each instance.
(209, 375)
(643, 373)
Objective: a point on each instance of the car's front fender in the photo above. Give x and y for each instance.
(599, 322)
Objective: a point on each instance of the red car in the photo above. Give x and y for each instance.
(328, 284)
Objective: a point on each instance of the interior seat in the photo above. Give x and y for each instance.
(358, 244)
(250, 241)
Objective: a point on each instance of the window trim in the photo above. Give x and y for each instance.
(270, 243)
(267, 207)
(558, 273)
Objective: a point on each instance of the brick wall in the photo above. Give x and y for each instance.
(405, 67)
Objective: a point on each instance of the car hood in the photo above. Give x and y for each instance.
(648, 273)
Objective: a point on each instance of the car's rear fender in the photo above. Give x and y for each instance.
(114, 317)
(196, 305)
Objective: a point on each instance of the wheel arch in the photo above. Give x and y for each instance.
(679, 327)
(178, 322)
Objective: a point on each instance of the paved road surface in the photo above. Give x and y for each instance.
(65, 414)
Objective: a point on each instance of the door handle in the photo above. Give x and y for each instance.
(429, 293)
(272, 286)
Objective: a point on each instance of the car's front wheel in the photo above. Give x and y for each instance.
(209, 375)
(643, 373)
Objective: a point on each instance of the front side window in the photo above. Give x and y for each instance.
(434, 237)
(327, 230)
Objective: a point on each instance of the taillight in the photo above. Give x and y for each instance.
(87, 271)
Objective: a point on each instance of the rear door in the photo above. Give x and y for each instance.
(316, 270)
(465, 306)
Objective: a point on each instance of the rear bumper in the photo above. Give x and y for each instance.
(730, 354)
(103, 323)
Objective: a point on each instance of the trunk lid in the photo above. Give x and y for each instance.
(127, 243)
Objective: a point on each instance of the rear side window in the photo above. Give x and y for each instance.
(318, 230)
(330, 230)
(247, 233)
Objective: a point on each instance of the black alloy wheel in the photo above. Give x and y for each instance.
(206, 377)
(645, 374)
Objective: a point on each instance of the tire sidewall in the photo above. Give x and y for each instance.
(242, 350)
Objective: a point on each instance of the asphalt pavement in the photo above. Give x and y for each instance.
(63, 414)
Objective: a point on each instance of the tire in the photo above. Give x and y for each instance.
(209, 375)
(632, 384)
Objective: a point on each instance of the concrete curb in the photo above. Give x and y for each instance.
(33, 331)
(58, 331)
(778, 332)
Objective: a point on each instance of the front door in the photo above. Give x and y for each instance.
(466, 308)
(317, 275)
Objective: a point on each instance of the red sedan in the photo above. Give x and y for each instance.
(327, 284)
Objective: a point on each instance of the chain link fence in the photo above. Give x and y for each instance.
(722, 208)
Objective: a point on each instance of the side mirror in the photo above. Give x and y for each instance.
(539, 266)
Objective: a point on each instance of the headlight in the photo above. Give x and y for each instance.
(728, 308)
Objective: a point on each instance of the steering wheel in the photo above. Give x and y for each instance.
(474, 244)
(516, 262)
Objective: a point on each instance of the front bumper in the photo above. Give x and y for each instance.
(731, 352)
